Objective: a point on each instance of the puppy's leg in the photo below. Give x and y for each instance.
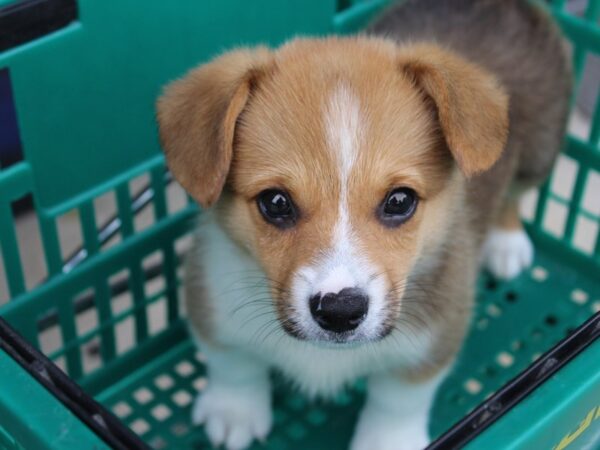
(507, 250)
(235, 407)
(396, 414)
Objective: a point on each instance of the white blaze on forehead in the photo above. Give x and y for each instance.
(341, 264)
(344, 130)
(343, 125)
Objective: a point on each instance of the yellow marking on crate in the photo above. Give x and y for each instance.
(571, 437)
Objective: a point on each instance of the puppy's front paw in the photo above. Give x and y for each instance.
(234, 415)
(378, 430)
(507, 253)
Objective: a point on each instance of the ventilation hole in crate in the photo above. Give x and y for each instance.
(50, 337)
(146, 217)
(555, 218)
(155, 286)
(591, 200)
(535, 357)
(161, 412)
(517, 345)
(458, 399)
(30, 247)
(69, 234)
(494, 310)
(143, 395)
(200, 357)
(93, 347)
(473, 386)
(482, 324)
(122, 299)
(491, 284)
(139, 183)
(152, 264)
(140, 426)
(537, 334)
(185, 368)
(121, 409)
(61, 363)
(86, 314)
(91, 355)
(121, 303)
(105, 207)
(505, 359)
(489, 371)
(125, 332)
(538, 273)
(164, 382)
(157, 316)
(179, 429)
(596, 306)
(528, 204)
(199, 383)
(551, 320)
(176, 197)
(563, 185)
(586, 233)
(182, 398)
(579, 296)
(296, 431)
(579, 123)
(316, 417)
(511, 297)
(158, 443)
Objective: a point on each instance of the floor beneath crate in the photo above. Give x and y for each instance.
(517, 321)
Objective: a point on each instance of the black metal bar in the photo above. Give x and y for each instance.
(109, 428)
(26, 20)
(519, 387)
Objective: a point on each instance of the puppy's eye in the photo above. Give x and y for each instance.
(398, 206)
(277, 208)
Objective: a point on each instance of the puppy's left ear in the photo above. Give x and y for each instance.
(471, 105)
(197, 116)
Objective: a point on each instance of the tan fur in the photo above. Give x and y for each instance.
(280, 142)
(471, 105)
(197, 117)
(508, 216)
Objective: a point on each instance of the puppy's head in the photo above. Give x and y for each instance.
(338, 164)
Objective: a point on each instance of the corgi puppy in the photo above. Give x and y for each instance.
(351, 187)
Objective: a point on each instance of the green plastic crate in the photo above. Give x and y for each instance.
(84, 99)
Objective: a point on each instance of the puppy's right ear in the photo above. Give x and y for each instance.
(197, 116)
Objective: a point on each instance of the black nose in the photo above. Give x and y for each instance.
(340, 312)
